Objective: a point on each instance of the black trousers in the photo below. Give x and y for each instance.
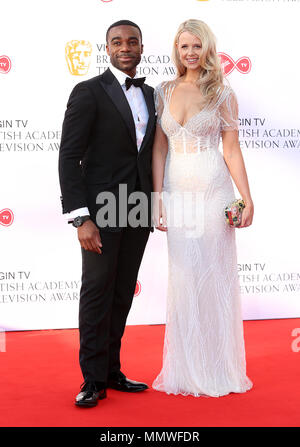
(107, 289)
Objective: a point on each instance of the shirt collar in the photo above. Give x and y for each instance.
(120, 75)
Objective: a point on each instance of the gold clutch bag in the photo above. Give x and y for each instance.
(233, 213)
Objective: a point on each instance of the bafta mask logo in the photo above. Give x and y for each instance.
(78, 56)
(5, 64)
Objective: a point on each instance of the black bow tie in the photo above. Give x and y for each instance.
(137, 82)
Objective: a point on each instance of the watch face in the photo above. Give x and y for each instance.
(77, 222)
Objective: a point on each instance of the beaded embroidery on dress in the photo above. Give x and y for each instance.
(204, 352)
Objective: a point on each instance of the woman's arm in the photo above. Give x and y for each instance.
(235, 162)
(159, 154)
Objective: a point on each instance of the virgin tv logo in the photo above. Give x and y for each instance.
(5, 64)
(243, 64)
(138, 288)
(6, 217)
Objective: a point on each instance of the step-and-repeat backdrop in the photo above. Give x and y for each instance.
(48, 47)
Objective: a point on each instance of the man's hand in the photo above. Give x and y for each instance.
(89, 237)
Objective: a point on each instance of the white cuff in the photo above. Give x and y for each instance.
(79, 212)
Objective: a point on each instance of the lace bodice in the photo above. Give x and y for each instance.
(202, 131)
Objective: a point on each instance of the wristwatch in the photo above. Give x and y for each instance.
(78, 221)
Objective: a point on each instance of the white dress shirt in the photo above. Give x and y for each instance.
(136, 100)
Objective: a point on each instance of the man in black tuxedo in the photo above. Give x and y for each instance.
(107, 138)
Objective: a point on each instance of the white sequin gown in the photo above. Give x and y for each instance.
(204, 350)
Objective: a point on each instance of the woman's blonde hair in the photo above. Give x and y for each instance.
(211, 76)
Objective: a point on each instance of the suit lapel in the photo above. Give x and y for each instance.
(116, 94)
(151, 111)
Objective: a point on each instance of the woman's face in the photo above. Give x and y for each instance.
(190, 49)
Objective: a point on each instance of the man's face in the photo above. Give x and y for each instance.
(124, 46)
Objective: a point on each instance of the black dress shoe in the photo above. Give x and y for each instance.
(121, 383)
(89, 395)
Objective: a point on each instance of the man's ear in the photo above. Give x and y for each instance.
(142, 48)
(107, 49)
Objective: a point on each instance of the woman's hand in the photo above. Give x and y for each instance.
(247, 215)
(159, 213)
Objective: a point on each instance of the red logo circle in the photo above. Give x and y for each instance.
(6, 217)
(5, 64)
(243, 64)
(138, 288)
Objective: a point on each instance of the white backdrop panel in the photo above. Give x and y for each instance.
(40, 263)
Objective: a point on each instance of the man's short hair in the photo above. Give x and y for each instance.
(123, 22)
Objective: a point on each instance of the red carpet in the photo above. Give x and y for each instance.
(40, 377)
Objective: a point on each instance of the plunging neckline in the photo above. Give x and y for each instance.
(193, 116)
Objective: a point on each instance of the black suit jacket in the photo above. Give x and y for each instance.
(98, 148)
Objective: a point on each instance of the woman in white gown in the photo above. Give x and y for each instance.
(204, 345)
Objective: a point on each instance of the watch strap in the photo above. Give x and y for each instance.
(82, 218)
